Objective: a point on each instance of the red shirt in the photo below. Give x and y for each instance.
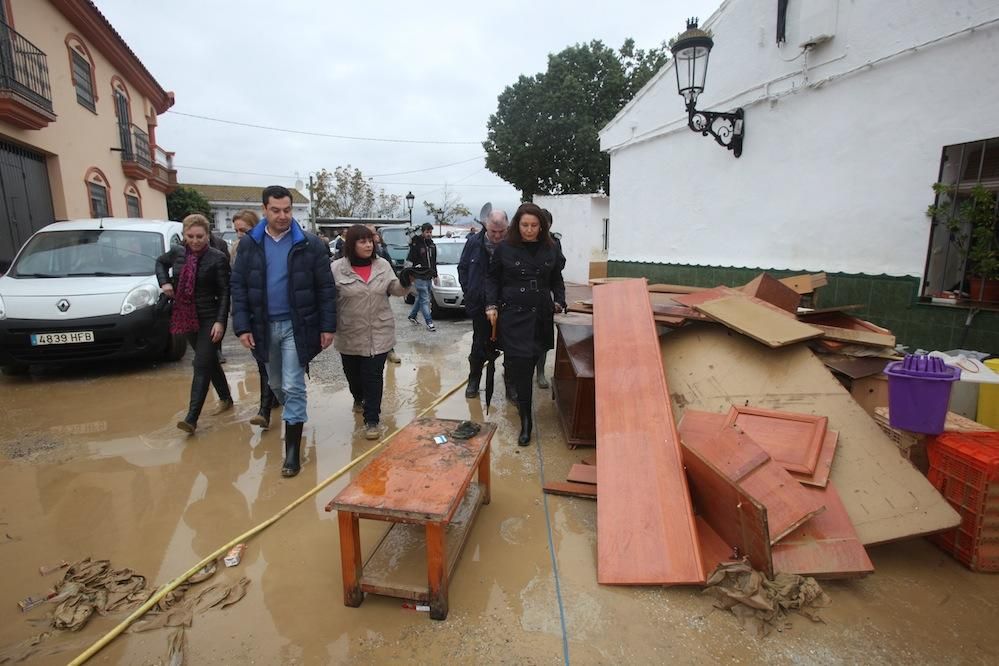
(363, 271)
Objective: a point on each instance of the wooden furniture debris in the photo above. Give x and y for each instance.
(806, 284)
(737, 518)
(768, 288)
(582, 474)
(793, 440)
(418, 486)
(826, 546)
(709, 369)
(762, 324)
(856, 337)
(747, 464)
(569, 489)
(645, 521)
(870, 392)
(572, 384)
(855, 368)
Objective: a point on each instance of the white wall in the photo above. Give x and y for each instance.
(832, 177)
(225, 210)
(580, 220)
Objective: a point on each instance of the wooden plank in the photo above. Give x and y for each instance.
(739, 520)
(823, 466)
(415, 478)
(805, 313)
(768, 288)
(714, 550)
(842, 320)
(746, 464)
(582, 474)
(589, 460)
(806, 284)
(675, 289)
(887, 499)
(585, 490)
(793, 440)
(645, 520)
(856, 337)
(855, 368)
(826, 546)
(761, 324)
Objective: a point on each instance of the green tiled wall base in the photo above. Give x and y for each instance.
(888, 301)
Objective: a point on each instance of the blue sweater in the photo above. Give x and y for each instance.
(278, 307)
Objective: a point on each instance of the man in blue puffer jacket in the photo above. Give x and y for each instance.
(284, 308)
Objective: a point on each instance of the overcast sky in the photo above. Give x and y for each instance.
(426, 71)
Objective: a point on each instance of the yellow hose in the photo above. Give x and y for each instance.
(155, 599)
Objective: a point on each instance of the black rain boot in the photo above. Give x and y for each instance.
(474, 378)
(263, 417)
(199, 391)
(526, 423)
(292, 447)
(542, 380)
(221, 385)
(511, 388)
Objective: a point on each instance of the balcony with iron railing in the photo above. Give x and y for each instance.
(25, 95)
(164, 176)
(136, 160)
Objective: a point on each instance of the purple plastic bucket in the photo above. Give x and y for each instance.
(919, 392)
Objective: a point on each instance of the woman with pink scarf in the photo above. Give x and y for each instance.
(196, 277)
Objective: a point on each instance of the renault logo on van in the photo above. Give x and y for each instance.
(63, 305)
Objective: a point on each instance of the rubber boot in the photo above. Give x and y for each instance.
(263, 417)
(474, 378)
(292, 448)
(511, 388)
(542, 380)
(199, 391)
(526, 423)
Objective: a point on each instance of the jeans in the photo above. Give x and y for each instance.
(366, 379)
(422, 302)
(285, 374)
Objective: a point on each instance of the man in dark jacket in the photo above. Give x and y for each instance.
(472, 269)
(423, 258)
(284, 307)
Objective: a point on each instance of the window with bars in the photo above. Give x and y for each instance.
(98, 200)
(133, 205)
(83, 81)
(963, 255)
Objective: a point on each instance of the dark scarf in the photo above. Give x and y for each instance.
(357, 261)
(184, 318)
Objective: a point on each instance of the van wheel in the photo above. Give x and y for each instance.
(14, 370)
(176, 348)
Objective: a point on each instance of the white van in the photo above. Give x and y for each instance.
(86, 290)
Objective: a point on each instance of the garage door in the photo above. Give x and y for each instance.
(25, 198)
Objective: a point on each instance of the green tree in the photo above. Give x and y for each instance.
(346, 192)
(543, 137)
(186, 200)
(448, 210)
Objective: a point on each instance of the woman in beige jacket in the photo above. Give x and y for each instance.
(365, 323)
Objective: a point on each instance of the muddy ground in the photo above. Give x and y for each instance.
(92, 465)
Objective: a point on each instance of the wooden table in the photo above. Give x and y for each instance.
(414, 482)
(572, 384)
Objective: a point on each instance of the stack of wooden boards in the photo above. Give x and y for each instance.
(767, 310)
(773, 460)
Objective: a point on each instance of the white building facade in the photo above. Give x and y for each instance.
(846, 124)
(583, 221)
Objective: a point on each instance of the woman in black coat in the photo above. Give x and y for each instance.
(524, 289)
(196, 277)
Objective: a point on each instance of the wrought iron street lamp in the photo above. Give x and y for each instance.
(409, 207)
(690, 60)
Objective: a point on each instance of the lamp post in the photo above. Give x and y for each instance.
(690, 60)
(409, 208)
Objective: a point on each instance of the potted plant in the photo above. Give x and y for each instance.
(972, 227)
